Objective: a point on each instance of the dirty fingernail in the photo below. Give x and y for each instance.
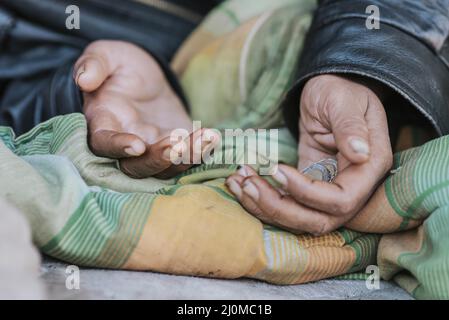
(79, 72)
(250, 189)
(180, 148)
(199, 141)
(131, 151)
(242, 171)
(136, 148)
(359, 146)
(235, 188)
(166, 154)
(280, 177)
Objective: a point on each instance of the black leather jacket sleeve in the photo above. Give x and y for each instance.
(409, 54)
(37, 52)
(35, 73)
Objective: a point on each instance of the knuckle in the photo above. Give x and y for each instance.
(154, 159)
(350, 124)
(127, 170)
(324, 227)
(155, 163)
(345, 206)
(298, 196)
(274, 210)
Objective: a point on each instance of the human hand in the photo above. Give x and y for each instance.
(340, 119)
(130, 108)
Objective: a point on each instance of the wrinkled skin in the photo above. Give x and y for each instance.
(131, 109)
(342, 119)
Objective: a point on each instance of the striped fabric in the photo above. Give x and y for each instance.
(191, 225)
(85, 211)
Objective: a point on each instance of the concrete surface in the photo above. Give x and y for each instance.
(19, 260)
(115, 284)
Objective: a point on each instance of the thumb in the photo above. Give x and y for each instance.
(112, 144)
(91, 70)
(352, 136)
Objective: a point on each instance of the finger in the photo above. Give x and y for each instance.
(355, 183)
(189, 154)
(107, 137)
(168, 158)
(201, 144)
(234, 184)
(382, 155)
(91, 70)
(211, 139)
(113, 144)
(156, 159)
(351, 133)
(285, 212)
(164, 159)
(343, 197)
(246, 171)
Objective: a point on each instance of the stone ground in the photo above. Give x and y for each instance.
(114, 284)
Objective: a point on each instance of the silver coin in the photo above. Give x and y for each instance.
(324, 170)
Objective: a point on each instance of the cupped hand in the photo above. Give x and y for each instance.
(341, 119)
(130, 108)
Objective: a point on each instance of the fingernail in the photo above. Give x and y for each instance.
(280, 177)
(136, 148)
(132, 152)
(80, 71)
(242, 171)
(179, 148)
(235, 188)
(359, 146)
(166, 154)
(250, 189)
(198, 146)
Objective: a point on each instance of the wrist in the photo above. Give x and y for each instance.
(382, 91)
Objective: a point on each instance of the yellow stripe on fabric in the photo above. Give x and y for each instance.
(198, 231)
(333, 239)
